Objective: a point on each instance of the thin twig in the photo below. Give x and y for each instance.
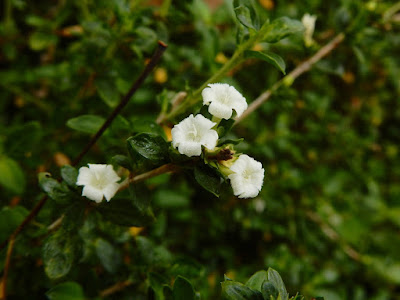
(333, 235)
(7, 266)
(149, 67)
(119, 286)
(299, 70)
(160, 170)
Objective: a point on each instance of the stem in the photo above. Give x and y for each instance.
(7, 267)
(119, 286)
(150, 66)
(334, 236)
(161, 170)
(231, 63)
(289, 78)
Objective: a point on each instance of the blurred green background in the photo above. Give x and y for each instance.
(328, 216)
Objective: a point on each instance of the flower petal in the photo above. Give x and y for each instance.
(110, 175)
(92, 193)
(210, 139)
(190, 148)
(220, 110)
(84, 177)
(110, 190)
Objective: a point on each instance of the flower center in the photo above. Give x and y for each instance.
(193, 134)
(98, 182)
(247, 174)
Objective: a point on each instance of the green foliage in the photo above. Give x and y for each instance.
(86, 123)
(328, 215)
(11, 175)
(66, 291)
(147, 150)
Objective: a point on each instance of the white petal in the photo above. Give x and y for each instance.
(251, 192)
(248, 178)
(111, 175)
(92, 193)
(208, 94)
(190, 149)
(84, 177)
(220, 110)
(202, 123)
(210, 139)
(110, 190)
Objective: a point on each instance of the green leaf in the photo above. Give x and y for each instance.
(108, 91)
(282, 28)
(86, 123)
(54, 189)
(245, 13)
(183, 289)
(276, 280)
(270, 291)
(232, 290)
(66, 291)
(41, 40)
(10, 219)
(157, 282)
(11, 175)
(208, 179)
(121, 211)
(123, 161)
(70, 175)
(272, 58)
(143, 125)
(59, 253)
(230, 142)
(22, 139)
(152, 254)
(255, 282)
(224, 127)
(147, 150)
(109, 256)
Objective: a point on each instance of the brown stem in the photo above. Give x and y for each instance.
(149, 67)
(7, 267)
(160, 170)
(119, 286)
(333, 235)
(299, 70)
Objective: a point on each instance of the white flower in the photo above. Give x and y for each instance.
(309, 24)
(192, 133)
(98, 181)
(247, 178)
(222, 99)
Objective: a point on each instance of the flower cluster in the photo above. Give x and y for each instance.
(196, 133)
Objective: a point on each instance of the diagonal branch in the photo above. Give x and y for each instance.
(289, 78)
